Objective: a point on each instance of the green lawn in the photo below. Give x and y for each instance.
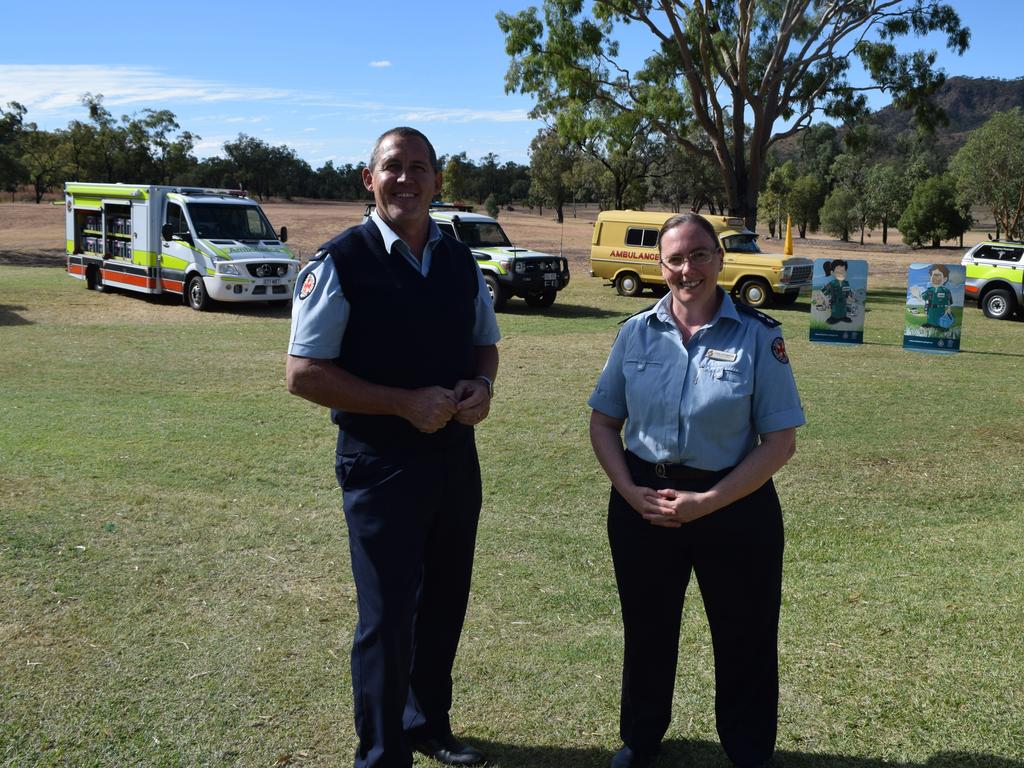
(174, 578)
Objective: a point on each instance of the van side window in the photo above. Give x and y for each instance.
(446, 228)
(642, 238)
(176, 219)
(1001, 253)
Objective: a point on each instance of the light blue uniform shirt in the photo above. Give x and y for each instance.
(319, 320)
(703, 403)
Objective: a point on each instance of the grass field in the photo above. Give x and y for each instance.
(174, 578)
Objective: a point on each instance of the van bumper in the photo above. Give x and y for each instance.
(260, 289)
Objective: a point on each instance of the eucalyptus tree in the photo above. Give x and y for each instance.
(746, 73)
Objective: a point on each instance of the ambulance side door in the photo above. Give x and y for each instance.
(176, 253)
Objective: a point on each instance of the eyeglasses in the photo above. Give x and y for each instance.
(697, 258)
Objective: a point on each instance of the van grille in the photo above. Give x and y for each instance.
(800, 274)
(267, 269)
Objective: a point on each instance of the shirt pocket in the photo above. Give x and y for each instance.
(722, 379)
(645, 382)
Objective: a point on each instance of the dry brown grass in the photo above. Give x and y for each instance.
(34, 235)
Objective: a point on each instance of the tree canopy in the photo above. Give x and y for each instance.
(727, 70)
(989, 169)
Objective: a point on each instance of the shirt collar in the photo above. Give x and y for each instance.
(390, 238)
(727, 310)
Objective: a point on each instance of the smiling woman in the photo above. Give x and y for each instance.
(704, 392)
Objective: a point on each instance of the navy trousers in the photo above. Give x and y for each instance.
(412, 524)
(736, 554)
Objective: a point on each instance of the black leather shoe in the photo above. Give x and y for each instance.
(627, 758)
(450, 751)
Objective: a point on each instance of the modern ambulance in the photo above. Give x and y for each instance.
(204, 244)
(624, 250)
(995, 277)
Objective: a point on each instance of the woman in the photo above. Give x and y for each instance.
(837, 290)
(705, 392)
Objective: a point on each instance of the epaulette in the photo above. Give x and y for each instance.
(768, 320)
(321, 253)
(645, 309)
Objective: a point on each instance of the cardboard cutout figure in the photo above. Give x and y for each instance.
(935, 308)
(838, 291)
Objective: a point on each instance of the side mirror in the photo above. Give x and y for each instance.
(167, 232)
(284, 235)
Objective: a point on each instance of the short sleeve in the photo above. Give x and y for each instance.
(320, 312)
(776, 402)
(609, 395)
(485, 327)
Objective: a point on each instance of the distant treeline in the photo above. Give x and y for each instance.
(150, 147)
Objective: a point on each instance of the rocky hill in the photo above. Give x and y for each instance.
(968, 102)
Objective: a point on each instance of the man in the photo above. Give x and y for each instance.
(393, 329)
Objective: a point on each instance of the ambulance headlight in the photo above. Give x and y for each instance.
(227, 268)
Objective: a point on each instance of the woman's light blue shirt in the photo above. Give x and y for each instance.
(702, 403)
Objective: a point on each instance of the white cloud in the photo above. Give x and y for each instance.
(52, 89)
(380, 63)
(462, 115)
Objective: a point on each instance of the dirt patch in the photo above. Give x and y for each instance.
(33, 235)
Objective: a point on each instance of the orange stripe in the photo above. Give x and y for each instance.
(126, 279)
(76, 269)
(173, 285)
(971, 288)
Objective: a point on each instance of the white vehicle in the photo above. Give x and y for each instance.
(205, 244)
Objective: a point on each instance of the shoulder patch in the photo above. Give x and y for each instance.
(779, 350)
(308, 285)
(757, 314)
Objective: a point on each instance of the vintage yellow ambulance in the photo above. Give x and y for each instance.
(624, 250)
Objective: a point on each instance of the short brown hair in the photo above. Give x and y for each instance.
(687, 218)
(405, 132)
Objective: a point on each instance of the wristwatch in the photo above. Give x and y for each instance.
(490, 385)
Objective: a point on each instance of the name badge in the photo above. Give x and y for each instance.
(717, 354)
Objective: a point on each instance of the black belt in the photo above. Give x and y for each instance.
(671, 471)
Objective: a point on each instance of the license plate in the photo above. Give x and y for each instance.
(271, 281)
(550, 276)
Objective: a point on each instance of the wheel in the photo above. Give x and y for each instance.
(786, 299)
(498, 294)
(94, 280)
(628, 284)
(196, 294)
(998, 304)
(542, 299)
(755, 292)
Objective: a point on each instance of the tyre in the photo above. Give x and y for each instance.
(998, 304)
(755, 292)
(628, 284)
(94, 280)
(196, 294)
(542, 299)
(498, 294)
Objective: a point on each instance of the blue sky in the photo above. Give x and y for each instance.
(327, 78)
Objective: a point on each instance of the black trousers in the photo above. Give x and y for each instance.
(736, 554)
(412, 524)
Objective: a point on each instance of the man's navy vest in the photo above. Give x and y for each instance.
(404, 330)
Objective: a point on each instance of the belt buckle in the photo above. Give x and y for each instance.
(659, 469)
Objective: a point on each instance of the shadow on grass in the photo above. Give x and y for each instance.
(704, 754)
(9, 315)
(556, 310)
(278, 309)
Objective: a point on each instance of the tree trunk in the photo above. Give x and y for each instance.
(885, 230)
(935, 242)
(558, 214)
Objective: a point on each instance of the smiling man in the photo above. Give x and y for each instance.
(393, 330)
